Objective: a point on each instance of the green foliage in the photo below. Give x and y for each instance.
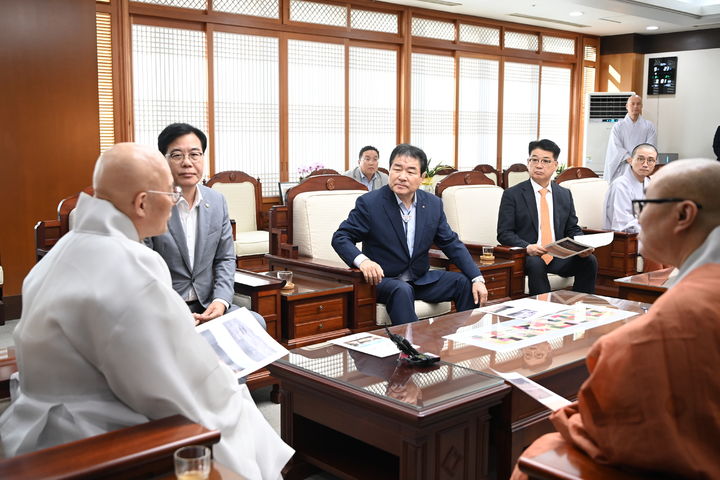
(433, 170)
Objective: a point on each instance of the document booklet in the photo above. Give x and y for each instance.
(368, 343)
(568, 247)
(240, 342)
(550, 399)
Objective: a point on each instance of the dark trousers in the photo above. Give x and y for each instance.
(583, 269)
(399, 296)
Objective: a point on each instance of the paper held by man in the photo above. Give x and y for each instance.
(240, 342)
(568, 247)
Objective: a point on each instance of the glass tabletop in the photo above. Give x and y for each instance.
(464, 368)
(561, 340)
(389, 378)
(655, 278)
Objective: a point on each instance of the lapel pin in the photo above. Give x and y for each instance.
(207, 205)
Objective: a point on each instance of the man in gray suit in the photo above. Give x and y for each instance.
(367, 171)
(198, 246)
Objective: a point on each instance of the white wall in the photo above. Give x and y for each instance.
(686, 122)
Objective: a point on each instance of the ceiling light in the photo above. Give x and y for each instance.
(651, 27)
(576, 14)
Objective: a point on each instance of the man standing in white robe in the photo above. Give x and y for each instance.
(631, 185)
(628, 132)
(104, 342)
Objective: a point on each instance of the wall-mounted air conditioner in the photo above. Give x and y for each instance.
(602, 111)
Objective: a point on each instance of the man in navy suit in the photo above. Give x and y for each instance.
(397, 224)
(520, 222)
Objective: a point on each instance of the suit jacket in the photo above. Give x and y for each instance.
(213, 270)
(375, 221)
(518, 224)
(378, 181)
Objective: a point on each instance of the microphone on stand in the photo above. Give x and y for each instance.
(414, 357)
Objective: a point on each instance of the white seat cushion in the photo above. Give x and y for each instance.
(516, 177)
(254, 242)
(422, 310)
(472, 212)
(316, 217)
(240, 198)
(556, 283)
(589, 198)
(492, 176)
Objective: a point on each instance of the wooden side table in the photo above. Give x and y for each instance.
(497, 274)
(643, 287)
(315, 310)
(264, 293)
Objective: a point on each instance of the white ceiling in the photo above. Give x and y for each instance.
(599, 17)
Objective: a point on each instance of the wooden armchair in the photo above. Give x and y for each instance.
(439, 176)
(48, 232)
(462, 193)
(490, 172)
(307, 251)
(301, 236)
(244, 198)
(324, 171)
(141, 451)
(565, 462)
(514, 174)
(620, 258)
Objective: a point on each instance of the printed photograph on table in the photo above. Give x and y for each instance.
(519, 333)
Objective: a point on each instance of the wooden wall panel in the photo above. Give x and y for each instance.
(621, 72)
(49, 109)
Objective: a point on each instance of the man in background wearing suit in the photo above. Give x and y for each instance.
(198, 246)
(528, 207)
(397, 224)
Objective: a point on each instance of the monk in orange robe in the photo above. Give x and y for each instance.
(652, 401)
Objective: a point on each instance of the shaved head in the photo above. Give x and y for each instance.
(693, 179)
(123, 176)
(672, 231)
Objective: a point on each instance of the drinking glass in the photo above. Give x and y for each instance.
(192, 463)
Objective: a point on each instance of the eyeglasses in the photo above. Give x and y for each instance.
(544, 161)
(175, 194)
(641, 159)
(638, 205)
(178, 157)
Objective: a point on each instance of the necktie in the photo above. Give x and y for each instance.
(545, 227)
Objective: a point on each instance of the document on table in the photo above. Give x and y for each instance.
(550, 399)
(535, 327)
(240, 342)
(369, 343)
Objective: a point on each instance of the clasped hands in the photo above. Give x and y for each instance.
(374, 274)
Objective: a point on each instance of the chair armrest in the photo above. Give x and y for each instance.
(565, 462)
(142, 450)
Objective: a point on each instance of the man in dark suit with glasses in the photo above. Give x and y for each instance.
(538, 212)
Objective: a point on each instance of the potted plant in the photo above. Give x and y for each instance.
(427, 182)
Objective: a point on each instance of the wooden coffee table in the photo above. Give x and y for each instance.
(342, 413)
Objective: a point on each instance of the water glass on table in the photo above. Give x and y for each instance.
(192, 462)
